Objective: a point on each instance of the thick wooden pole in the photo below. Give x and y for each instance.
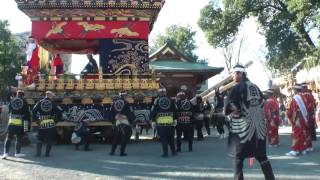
(210, 92)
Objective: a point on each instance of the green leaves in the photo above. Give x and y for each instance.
(11, 57)
(215, 21)
(286, 25)
(180, 37)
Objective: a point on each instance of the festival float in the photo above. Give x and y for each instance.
(115, 30)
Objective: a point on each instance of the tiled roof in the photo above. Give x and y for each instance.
(162, 53)
(171, 65)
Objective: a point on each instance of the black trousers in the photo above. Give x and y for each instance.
(85, 139)
(166, 134)
(264, 163)
(122, 134)
(198, 126)
(11, 132)
(45, 136)
(187, 130)
(220, 123)
(207, 125)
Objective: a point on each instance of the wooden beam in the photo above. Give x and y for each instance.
(227, 79)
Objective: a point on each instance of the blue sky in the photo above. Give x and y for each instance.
(181, 12)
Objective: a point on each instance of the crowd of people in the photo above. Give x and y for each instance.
(251, 117)
(299, 113)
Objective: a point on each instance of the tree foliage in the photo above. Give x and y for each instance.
(11, 58)
(181, 37)
(286, 24)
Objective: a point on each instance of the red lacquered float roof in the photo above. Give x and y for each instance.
(77, 25)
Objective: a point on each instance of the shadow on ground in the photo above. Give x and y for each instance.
(208, 161)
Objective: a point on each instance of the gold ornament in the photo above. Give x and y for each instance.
(80, 85)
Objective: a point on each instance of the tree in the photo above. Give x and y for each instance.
(11, 58)
(231, 53)
(286, 24)
(181, 38)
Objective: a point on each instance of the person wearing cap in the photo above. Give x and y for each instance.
(19, 123)
(184, 120)
(46, 113)
(199, 117)
(247, 138)
(298, 117)
(272, 116)
(311, 108)
(122, 117)
(163, 112)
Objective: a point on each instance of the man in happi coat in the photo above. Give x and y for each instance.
(46, 113)
(219, 118)
(184, 120)
(247, 136)
(122, 117)
(19, 123)
(199, 117)
(298, 117)
(272, 116)
(163, 113)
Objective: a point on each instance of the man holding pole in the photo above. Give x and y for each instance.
(248, 132)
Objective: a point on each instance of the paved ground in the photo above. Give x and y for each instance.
(208, 161)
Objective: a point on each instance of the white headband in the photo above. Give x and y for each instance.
(298, 87)
(239, 69)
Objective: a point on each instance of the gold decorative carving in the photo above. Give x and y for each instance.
(56, 29)
(106, 100)
(70, 84)
(67, 101)
(51, 85)
(124, 32)
(60, 84)
(154, 84)
(130, 100)
(100, 84)
(80, 85)
(127, 85)
(144, 84)
(91, 27)
(135, 83)
(87, 100)
(90, 84)
(41, 84)
(109, 84)
(118, 83)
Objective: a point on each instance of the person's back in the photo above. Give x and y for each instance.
(91, 67)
